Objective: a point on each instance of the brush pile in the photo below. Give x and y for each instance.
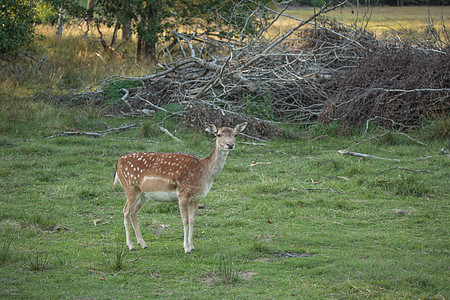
(319, 70)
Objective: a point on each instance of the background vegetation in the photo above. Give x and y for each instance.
(287, 218)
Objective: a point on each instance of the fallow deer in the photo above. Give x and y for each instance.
(171, 177)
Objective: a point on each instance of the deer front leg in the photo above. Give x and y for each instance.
(192, 210)
(184, 210)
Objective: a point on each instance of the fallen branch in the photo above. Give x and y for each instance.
(345, 152)
(401, 168)
(78, 132)
(92, 134)
(419, 142)
(373, 138)
(169, 134)
(124, 98)
(322, 189)
(122, 127)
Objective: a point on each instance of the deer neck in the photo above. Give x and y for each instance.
(214, 163)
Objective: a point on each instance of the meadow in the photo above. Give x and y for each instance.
(383, 20)
(287, 218)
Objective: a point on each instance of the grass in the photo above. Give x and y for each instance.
(360, 230)
(367, 234)
(381, 20)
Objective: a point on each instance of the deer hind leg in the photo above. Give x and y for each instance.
(139, 204)
(129, 206)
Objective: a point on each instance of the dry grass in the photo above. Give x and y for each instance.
(382, 20)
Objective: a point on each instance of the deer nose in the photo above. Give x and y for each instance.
(230, 145)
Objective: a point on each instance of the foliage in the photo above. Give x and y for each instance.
(154, 19)
(316, 3)
(38, 261)
(260, 108)
(5, 250)
(17, 19)
(113, 89)
(46, 13)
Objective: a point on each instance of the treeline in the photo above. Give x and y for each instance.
(319, 3)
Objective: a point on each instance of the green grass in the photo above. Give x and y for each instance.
(364, 234)
(356, 232)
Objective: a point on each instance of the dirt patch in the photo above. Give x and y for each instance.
(209, 278)
(247, 275)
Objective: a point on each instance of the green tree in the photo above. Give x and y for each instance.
(153, 18)
(17, 18)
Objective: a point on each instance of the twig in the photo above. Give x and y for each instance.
(411, 91)
(419, 142)
(151, 104)
(124, 98)
(322, 189)
(401, 168)
(373, 138)
(377, 117)
(365, 155)
(92, 134)
(169, 134)
(78, 132)
(122, 127)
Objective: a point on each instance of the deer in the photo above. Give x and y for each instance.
(172, 177)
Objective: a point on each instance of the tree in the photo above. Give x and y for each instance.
(156, 18)
(17, 18)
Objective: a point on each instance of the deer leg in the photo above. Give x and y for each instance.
(140, 203)
(184, 210)
(192, 210)
(126, 216)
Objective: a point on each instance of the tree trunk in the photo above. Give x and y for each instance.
(114, 37)
(60, 26)
(126, 31)
(137, 58)
(90, 10)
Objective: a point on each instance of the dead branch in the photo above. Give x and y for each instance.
(401, 168)
(376, 137)
(345, 152)
(91, 134)
(414, 140)
(322, 189)
(124, 98)
(169, 134)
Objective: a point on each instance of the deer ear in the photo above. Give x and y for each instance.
(211, 128)
(239, 128)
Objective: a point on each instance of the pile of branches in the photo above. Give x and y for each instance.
(394, 86)
(263, 78)
(325, 71)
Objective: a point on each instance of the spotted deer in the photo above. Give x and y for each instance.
(171, 177)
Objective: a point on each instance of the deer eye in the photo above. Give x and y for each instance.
(218, 135)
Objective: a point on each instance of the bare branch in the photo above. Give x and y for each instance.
(400, 168)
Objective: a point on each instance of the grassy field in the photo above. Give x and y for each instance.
(285, 219)
(382, 20)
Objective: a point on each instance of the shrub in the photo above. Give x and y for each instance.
(17, 18)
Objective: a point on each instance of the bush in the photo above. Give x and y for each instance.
(46, 14)
(16, 32)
